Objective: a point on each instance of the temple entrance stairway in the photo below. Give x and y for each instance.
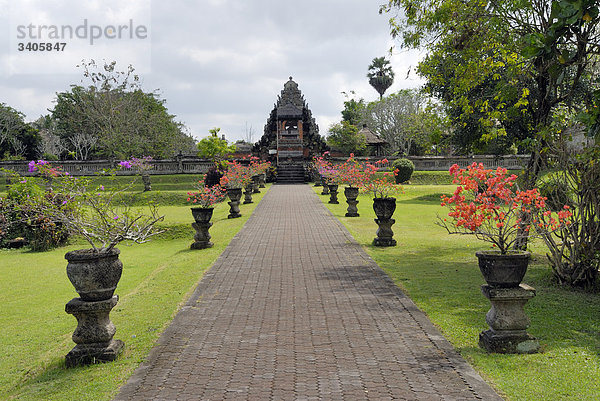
(290, 173)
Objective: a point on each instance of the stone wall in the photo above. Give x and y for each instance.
(443, 163)
(192, 165)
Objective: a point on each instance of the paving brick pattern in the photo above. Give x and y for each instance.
(294, 309)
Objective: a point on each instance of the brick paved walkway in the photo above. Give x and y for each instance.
(295, 310)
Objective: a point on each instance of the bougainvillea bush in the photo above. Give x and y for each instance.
(487, 205)
(83, 206)
(352, 173)
(206, 196)
(236, 175)
(380, 183)
(25, 214)
(327, 169)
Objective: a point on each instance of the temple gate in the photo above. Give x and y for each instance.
(291, 136)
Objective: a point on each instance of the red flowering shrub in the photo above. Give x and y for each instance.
(236, 176)
(484, 204)
(206, 196)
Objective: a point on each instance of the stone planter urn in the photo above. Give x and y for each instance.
(333, 192)
(255, 184)
(503, 271)
(248, 193)
(351, 194)
(384, 210)
(234, 194)
(325, 190)
(262, 178)
(202, 216)
(94, 276)
(146, 181)
(506, 318)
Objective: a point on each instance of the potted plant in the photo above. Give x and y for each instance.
(235, 178)
(258, 172)
(142, 166)
(354, 177)
(381, 184)
(487, 204)
(104, 218)
(323, 168)
(204, 199)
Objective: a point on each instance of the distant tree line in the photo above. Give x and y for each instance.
(108, 116)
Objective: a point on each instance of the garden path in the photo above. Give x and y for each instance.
(294, 309)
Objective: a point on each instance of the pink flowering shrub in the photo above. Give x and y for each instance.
(236, 176)
(206, 196)
(380, 184)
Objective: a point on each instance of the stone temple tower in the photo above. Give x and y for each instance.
(291, 136)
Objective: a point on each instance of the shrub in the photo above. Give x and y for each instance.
(50, 157)
(23, 215)
(23, 190)
(557, 193)
(212, 177)
(403, 169)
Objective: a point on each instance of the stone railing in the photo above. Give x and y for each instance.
(187, 165)
(194, 165)
(443, 163)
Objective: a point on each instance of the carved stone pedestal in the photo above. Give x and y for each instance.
(333, 193)
(261, 180)
(202, 236)
(352, 210)
(255, 184)
(248, 194)
(234, 194)
(94, 332)
(508, 321)
(147, 183)
(234, 210)
(384, 233)
(325, 190)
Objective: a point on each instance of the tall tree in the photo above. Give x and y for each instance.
(18, 139)
(404, 119)
(345, 137)
(117, 116)
(509, 63)
(381, 75)
(213, 147)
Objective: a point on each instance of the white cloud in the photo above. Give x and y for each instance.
(224, 62)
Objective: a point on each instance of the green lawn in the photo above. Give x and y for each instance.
(157, 278)
(439, 272)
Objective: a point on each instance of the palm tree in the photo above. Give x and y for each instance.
(380, 75)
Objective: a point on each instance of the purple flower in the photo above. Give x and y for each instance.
(101, 187)
(116, 218)
(31, 166)
(64, 202)
(125, 164)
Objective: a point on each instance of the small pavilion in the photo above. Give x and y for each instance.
(373, 141)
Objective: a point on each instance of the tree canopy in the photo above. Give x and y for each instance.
(381, 75)
(503, 67)
(213, 147)
(345, 137)
(112, 117)
(17, 138)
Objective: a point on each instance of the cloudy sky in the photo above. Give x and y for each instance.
(216, 62)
